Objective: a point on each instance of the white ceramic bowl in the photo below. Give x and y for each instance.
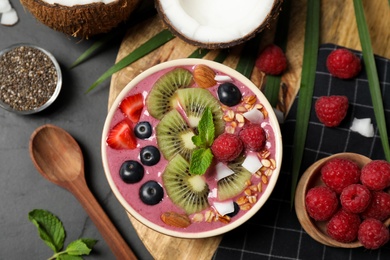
(277, 156)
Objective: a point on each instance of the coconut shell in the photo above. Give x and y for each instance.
(81, 20)
(221, 45)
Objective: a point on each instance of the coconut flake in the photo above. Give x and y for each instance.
(213, 193)
(222, 170)
(223, 78)
(363, 126)
(254, 116)
(224, 207)
(252, 163)
(5, 6)
(9, 18)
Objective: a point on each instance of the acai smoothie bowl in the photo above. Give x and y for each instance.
(191, 148)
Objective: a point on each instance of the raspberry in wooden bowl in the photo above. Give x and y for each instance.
(191, 148)
(331, 202)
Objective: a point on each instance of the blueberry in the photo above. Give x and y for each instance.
(236, 210)
(151, 193)
(131, 171)
(143, 130)
(229, 94)
(150, 155)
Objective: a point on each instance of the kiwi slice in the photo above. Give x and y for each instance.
(174, 136)
(234, 184)
(160, 99)
(186, 191)
(194, 101)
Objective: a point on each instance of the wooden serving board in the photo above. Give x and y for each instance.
(338, 25)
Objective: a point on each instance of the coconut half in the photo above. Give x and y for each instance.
(214, 24)
(81, 18)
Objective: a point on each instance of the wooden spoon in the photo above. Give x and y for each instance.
(310, 178)
(58, 157)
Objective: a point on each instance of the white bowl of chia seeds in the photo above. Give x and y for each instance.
(30, 79)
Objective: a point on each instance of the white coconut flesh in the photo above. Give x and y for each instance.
(363, 126)
(5, 6)
(252, 163)
(77, 2)
(216, 21)
(224, 207)
(8, 14)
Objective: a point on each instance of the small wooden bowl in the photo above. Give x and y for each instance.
(310, 178)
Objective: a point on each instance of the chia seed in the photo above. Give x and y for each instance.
(28, 78)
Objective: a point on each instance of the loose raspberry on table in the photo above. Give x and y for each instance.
(339, 173)
(331, 110)
(355, 198)
(227, 147)
(321, 203)
(343, 226)
(253, 136)
(376, 175)
(379, 208)
(373, 233)
(272, 60)
(343, 63)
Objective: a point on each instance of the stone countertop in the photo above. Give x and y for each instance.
(22, 188)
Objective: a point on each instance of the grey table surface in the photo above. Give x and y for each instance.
(22, 188)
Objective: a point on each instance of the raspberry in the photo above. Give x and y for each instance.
(331, 110)
(343, 226)
(379, 208)
(376, 175)
(227, 147)
(373, 234)
(272, 60)
(355, 198)
(253, 136)
(321, 203)
(339, 173)
(343, 64)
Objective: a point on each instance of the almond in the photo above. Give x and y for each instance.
(204, 76)
(175, 219)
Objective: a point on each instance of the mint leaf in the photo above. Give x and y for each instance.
(69, 257)
(50, 228)
(81, 246)
(197, 140)
(202, 156)
(90, 242)
(200, 160)
(206, 130)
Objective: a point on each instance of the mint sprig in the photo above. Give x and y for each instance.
(206, 130)
(201, 160)
(52, 232)
(202, 156)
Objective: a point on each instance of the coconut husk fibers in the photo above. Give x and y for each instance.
(81, 20)
(272, 15)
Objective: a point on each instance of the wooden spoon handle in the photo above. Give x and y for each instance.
(110, 234)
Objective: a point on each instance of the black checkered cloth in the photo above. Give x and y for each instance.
(275, 232)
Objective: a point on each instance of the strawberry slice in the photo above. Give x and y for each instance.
(132, 107)
(121, 136)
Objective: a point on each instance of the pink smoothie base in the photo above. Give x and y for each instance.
(127, 194)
